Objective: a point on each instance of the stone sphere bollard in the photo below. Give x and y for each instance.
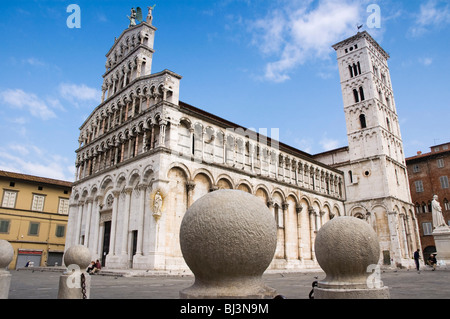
(75, 282)
(6, 256)
(347, 249)
(228, 239)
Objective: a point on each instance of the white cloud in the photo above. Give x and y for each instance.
(31, 160)
(20, 99)
(329, 144)
(426, 61)
(304, 144)
(34, 62)
(432, 14)
(302, 32)
(75, 93)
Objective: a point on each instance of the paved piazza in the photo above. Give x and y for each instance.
(403, 284)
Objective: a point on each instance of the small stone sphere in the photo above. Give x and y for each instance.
(345, 247)
(6, 254)
(228, 234)
(78, 255)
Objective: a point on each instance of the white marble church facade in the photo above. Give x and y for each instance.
(144, 157)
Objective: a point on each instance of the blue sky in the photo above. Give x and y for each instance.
(261, 64)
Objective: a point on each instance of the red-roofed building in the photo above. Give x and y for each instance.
(428, 175)
(33, 218)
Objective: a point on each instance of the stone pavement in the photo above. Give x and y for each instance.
(43, 284)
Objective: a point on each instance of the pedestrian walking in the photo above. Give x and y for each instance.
(416, 260)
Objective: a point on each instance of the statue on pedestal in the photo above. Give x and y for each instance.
(132, 17)
(157, 205)
(436, 211)
(136, 14)
(149, 15)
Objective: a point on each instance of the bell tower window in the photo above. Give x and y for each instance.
(362, 121)
(361, 93)
(356, 95)
(355, 69)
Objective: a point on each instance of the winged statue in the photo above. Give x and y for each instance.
(136, 15)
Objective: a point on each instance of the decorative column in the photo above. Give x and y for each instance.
(96, 223)
(190, 185)
(142, 195)
(404, 236)
(298, 210)
(285, 207)
(89, 202)
(78, 228)
(312, 231)
(112, 240)
(395, 244)
(126, 220)
(162, 133)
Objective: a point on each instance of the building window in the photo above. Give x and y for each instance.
(38, 202)
(4, 226)
(424, 207)
(362, 121)
(427, 228)
(63, 207)
(444, 181)
(419, 186)
(60, 231)
(440, 163)
(33, 230)
(416, 168)
(356, 95)
(9, 199)
(446, 204)
(279, 216)
(361, 93)
(417, 206)
(354, 69)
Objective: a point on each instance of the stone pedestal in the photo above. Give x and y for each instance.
(6, 256)
(442, 240)
(347, 249)
(228, 239)
(75, 283)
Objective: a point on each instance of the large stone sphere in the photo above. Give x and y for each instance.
(78, 255)
(6, 254)
(345, 248)
(228, 239)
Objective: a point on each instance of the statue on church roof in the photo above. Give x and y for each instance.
(136, 14)
(132, 17)
(149, 15)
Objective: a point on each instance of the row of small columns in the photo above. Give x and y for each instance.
(326, 182)
(92, 163)
(121, 78)
(105, 123)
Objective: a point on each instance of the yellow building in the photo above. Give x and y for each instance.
(33, 218)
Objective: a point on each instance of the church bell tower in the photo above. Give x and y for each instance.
(377, 186)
